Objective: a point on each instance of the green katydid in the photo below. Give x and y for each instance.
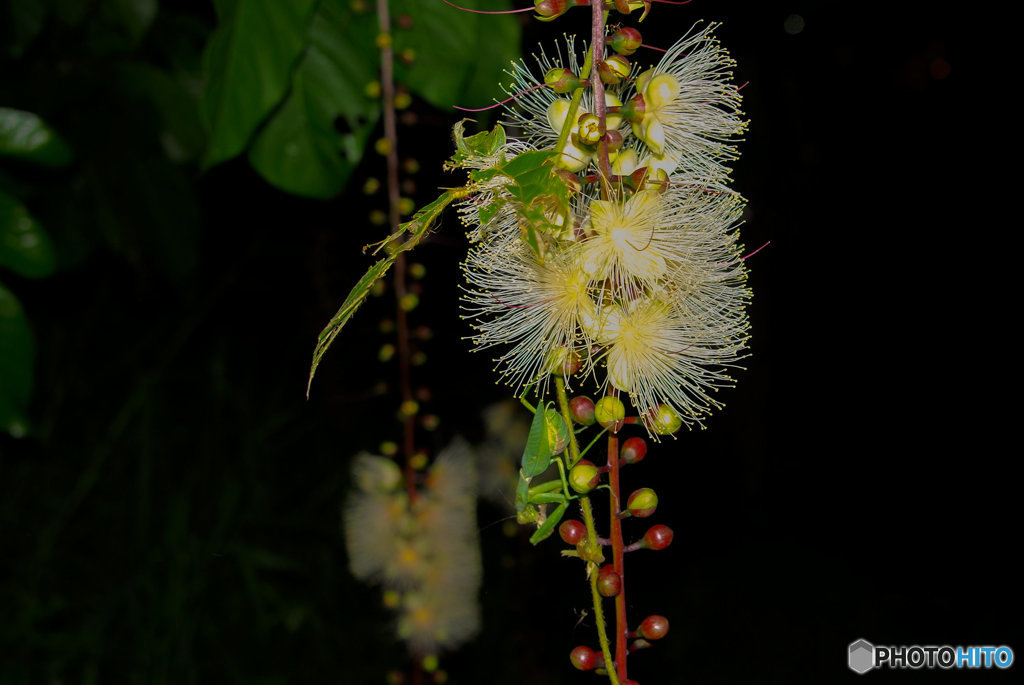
(547, 439)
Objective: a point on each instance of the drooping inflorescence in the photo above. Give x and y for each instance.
(645, 288)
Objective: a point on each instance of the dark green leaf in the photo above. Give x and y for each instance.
(24, 246)
(249, 60)
(25, 136)
(458, 57)
(181, 129)
(134, 17)
(316, 138)
(16, 359)
(26, 20)
(537, 454)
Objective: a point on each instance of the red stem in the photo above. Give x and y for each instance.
(618, 558)
(387, 82)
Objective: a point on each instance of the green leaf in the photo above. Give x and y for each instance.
(417, 227)
(16, 358)
(483, 144)
(25, 136)
(458, 57)
(249, 59)
(537, 454)
(24, 246)
(316, 138)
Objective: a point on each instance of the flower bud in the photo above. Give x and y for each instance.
(564, 361)
(584, 477)
(609, 412)
(633, 450)
(657, 537)
(582, 410)
(551, 9)
(589, 127)
(571, 180)
(664, 420)
(562, 80)
(614, 69)
(572, 531)
(614, 141)
(654, 627)
(634, 110)
(642, 502)
(626, 41)
(609, 583)
(584, 658)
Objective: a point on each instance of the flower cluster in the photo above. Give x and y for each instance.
(642, 288)
(425, 551)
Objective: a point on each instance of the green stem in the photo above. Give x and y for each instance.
(574, 105)
(593, 546)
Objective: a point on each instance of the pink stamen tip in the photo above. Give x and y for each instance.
(745, 84)
(651, 47)
(499, 104)
(756, 251)
(467, 9)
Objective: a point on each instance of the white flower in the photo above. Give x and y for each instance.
(692, 107)
(512, 298)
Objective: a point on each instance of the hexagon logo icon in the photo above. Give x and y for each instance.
(861, 656)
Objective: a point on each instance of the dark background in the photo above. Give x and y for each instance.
(175, 515)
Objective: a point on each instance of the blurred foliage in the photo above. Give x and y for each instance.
(168, 500)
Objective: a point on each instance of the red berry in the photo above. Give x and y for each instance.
(633, 450)
(572, 531)
(582, 410)
(609, 583)
(658, 537)
(654, 627)
(583, 658)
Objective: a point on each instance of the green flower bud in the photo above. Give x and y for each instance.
(562, 80)
(626, 41)
(584, 477)
(614, 69)
(609, 411)
(642, 502)
(589, 128)
(664, 420)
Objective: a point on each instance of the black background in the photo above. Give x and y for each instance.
(176, 519)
